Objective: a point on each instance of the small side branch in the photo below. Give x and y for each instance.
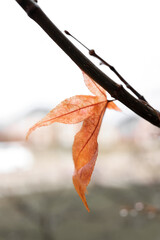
(115, 90)
(93, 53)
(102, 61)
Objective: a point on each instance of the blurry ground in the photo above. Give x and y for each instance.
(60, 215)
(37, 198)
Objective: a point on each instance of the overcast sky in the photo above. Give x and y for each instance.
(34, 72)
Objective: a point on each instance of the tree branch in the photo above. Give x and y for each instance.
(117, 91)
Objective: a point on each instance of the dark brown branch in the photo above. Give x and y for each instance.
(115, 90)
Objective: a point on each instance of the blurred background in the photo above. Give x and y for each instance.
(37, 197)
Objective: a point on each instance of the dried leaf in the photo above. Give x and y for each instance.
(94, 87)
(112, 105)
(71, 110)
(90, 110)
(85, 151)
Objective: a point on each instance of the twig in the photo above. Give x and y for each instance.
(93, 53)
(115, 90)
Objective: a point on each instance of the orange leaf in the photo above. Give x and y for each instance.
(90, 110)
(112, 105)
(85, 151)
(71, 110)
(94, 87)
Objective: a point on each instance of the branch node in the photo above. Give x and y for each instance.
(92, 52)
(116, 93)
(128, 85)
(112, 68)
(142, 98)
(66, 32)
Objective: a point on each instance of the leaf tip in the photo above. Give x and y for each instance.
(112, 105)
(81, 189)
(30, 131)
(27, 135)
